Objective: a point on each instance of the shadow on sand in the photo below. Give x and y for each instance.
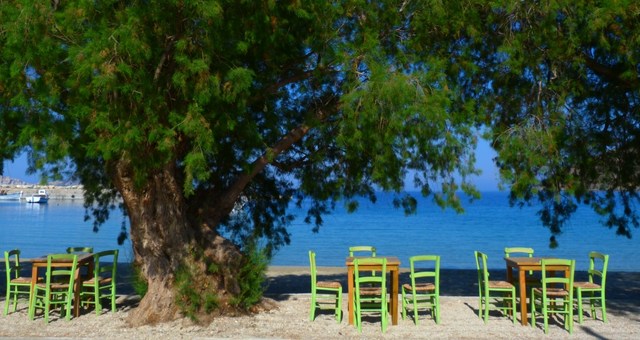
(623, 288)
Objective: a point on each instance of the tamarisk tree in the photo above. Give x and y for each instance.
(183, 110)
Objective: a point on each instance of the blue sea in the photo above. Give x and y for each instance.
(488, 224)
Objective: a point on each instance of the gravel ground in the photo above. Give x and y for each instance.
(290, 320)
(287, 317)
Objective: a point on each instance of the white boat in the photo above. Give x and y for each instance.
(4, 196)
(40, 197)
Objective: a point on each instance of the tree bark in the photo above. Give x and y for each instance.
(165, 240)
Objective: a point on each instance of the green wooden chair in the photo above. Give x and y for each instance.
(103, 283)
(84, 272)
(57, 289)
(324, 294)
(370, 291)
(370, 250)
(524, 252)
(593, 291)
(555, 296)
(16, 284)
(424, 289)
(503, 291)
(71, 250)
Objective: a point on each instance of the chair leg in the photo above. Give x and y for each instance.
(592, 305)
(603, 306)
(6, 303)
(113, 298)
(384, 313)
(415, 308)
(579, 293)
(513, 306)
(437, 309)
(339, 306)
(545, 317)
(404, 305)
(47, 304)
(569, 307)
(358, 317)
(533, 310)
(486, 308)
(16, 292)
(97, 302)
(312, 312)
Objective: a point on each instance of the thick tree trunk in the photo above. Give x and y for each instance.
(166, 242)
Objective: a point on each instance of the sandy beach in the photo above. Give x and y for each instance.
(286, 316)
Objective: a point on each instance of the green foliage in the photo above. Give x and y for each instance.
(140, 285)
(193, 295)
(563, 110)
(251, 277)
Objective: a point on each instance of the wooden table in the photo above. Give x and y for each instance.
(523, 265)
(84, 259)
(393, 266)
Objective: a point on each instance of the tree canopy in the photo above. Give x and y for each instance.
(183, 109)
(564, 107)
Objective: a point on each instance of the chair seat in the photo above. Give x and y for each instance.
(500, 284)
(103, 281)
(370, 291)
(23, 280)
(553, 292)
(327, 284)
(54, 285)
(586, 285)
(420, 287)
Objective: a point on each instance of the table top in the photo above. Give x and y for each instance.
(81, 257)
(391, 260)
(526, 261)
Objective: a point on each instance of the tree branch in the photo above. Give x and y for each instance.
(610, 74)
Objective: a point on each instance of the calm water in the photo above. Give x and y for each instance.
(38, 229)
(488, 224)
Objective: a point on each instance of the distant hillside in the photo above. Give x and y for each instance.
(4, 180)
(8, 181)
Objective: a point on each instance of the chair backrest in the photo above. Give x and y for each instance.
(550, 277)
(371, 251)
(12, 264)
(508, 251)
(72, 250)
(425, 268)
(377, 281)
(105, 261)
(598, 263)
(481, 266)
(61, 274)
(312, 265)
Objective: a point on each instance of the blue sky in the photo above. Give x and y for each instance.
(487, 181)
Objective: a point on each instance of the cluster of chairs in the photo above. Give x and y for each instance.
(550, 293)
(56, 288)
(422, 293)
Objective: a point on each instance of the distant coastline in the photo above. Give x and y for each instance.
(56, 191)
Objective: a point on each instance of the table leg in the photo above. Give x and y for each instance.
(394, 296)
(34, 280)
(350, 290)
(523, 297)
(77, 286)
